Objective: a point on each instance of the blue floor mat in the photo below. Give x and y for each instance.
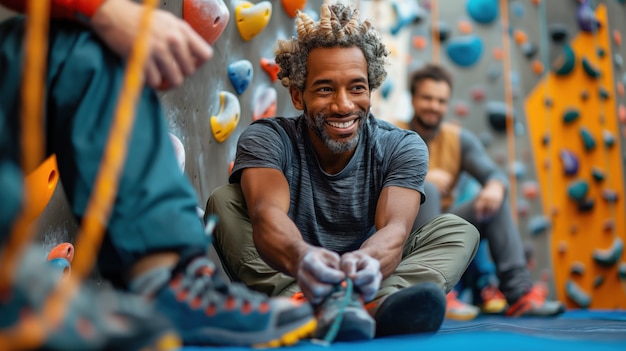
(572, 331)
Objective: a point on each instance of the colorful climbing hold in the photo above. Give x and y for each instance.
(477, 93)
(207, 17)
(179, 150)
(291, 7)
(419, 42)
(617, 37)
(530, 189)
(608, 138)
(609, 257)
(618, 60)
(603, 93)
(465, 51)
(621, 113)
(577, 190)
(565, 62)
(224, 123)
(240, 74)
(497, 115)
(517, 9)
(577, 268)
(586, 205)
(570, 162)
(577, 294)
(586, 18)
(589, 142)
(464, 27)
(442, 30)
(529, 49)
(538, 225)
(265, 103)
(270, 67)
(558, 32)
(461, 109)
(570, 115)
(407, 12)
(597, 174)
(590, 69)
(386, 88)
(619, 89)
(598, 281)
(252, 18)
(610, 195)
(520, 36)
(483, 11)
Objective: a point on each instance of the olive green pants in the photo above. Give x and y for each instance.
(438, 252)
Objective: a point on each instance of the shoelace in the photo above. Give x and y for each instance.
(332, 332)
(208, 288)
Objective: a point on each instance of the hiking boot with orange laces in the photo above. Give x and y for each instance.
(493, 301)
(208, 311)
(534, 303)
(459, 310)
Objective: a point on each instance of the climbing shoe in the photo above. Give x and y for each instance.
(458, 310)
(534, 303)
(208, 311)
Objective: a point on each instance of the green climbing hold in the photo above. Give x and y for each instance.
(610, 256)
(577, 190)
(565, 62)
(603, 93)
(588, 140)
(570, 115)
(597, 174)
(590, 69)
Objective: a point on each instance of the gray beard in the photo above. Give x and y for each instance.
(336, 147)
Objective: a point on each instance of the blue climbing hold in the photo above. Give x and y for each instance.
(483, 11)
(240, 74)
(386, 88)
(577, 294)
(586, 18)
(608, 257)
(517, 9)
(465, 51)
(609, 139)
(407, 12)
(538, 225)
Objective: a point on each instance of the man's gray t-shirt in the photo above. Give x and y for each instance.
(335, 211)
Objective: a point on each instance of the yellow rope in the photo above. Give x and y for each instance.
(32, 331)
(32, 136)
(508, 96)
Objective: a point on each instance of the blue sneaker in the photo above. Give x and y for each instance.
(343, 306)
(417, 309)
(97, 318)
(208, 311)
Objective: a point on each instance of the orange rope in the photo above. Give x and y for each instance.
(434, 19)
(32, 136)
(508, 96)
(32, 331)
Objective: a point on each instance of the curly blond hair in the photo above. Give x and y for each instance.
(339, 26)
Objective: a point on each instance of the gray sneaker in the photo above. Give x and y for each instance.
(342, 317)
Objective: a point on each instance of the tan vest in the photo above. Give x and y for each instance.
(444, 152)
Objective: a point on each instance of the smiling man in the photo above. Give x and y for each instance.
(323, 203)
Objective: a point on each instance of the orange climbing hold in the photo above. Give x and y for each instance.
(271, 68)
(617, 37)
(293, 6)
(537, 67)
(419, 42)
(63, 250)
(40, 185)
(497, 54)
(465, 27)
(520, 36)
(621, 113)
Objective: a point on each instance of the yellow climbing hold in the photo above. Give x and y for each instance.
(227, 118)
(252, 19)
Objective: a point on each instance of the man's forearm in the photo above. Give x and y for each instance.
(386, 245)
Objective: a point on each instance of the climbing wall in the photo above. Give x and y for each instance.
(575, 135)
(209, 112)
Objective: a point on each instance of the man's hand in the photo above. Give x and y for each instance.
(318, 273)
(441, 179)
(364, 270)
(175, 49)
(489, 200)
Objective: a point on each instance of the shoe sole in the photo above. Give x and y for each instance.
(285, 336)
(417, 309)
